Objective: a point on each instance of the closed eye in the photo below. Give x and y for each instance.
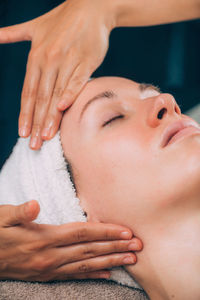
(113, 119)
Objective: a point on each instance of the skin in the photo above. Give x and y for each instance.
(68, 44)
(41, 252)
(135, 182)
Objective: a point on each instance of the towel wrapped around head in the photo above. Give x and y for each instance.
(42, 175)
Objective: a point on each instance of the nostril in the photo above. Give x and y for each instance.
(161, 113)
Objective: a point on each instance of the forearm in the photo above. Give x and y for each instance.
(153, 12)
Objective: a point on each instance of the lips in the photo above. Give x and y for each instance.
(174, 131)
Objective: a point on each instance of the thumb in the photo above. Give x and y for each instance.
(15, 33)
(12, 215)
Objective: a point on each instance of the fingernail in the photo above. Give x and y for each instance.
(45, 132)
(128, 260)
(23, 131)
(132, 246)
(33, 142)
(125, 235)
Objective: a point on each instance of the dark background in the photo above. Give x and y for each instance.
(166, 55)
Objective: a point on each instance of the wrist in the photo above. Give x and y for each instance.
(120, 11)
(113, 12)
(109, 13)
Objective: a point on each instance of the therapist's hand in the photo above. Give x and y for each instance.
(68, 44)
(39, 252)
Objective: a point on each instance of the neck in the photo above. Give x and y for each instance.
(169, 265)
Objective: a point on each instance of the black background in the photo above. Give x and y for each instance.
(166, 55)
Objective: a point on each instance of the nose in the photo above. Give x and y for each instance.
(162, 106)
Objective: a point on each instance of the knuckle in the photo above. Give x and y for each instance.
(116, 246)
(84, 267)
(120, 245)
(40, 97)
(107, 234)
(88, 251)
(28, 92)
(52, 53)
(26, 249)
(42, 264)
(57, 92)
(36, 128)
(23, 116)
(78, 80)
(50, 119)
(32, 247)
(82, 234)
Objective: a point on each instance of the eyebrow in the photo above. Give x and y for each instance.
(110, 95)
(146, 86)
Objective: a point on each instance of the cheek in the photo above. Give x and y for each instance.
(181, 176)
(123, 179)
(116, 171)
(120, 147)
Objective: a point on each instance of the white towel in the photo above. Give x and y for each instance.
(42, 175)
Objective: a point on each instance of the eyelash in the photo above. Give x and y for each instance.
(113, 119)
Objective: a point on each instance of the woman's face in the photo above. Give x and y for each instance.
(114, 141)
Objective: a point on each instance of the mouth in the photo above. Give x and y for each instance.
(178, 130)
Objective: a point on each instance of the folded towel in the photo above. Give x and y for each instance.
(42, 175)
(68, 290)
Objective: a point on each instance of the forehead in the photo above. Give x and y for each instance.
(120, 86)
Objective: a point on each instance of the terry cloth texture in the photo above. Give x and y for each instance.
(42, 175)
(69, 290)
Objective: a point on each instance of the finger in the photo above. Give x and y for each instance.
(12, 215)
(53, 258)
(29, 93)
(43, 98)
(79, 78)
(104, 274)
(16, 33)
(97, 263)
(94, 249)
(54, 117)
(51, 276)
(82, 251)
(73, 233)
